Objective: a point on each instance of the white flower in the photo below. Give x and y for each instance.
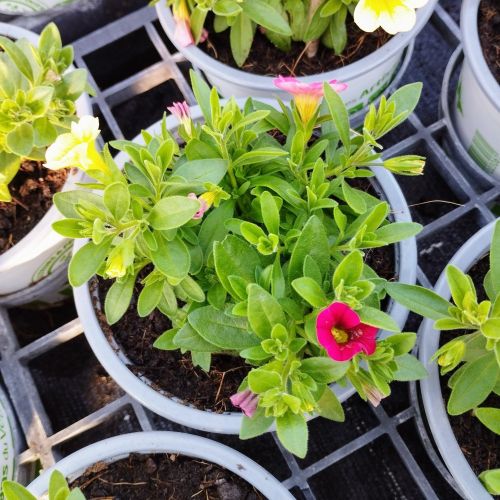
(75, 148)
(393, 16)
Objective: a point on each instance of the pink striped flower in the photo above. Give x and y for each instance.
(246, 401)
(182, 34)
(341, 333)
(204, 206)
(182, 112)
(307, 96)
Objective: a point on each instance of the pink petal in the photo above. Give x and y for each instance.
(239, 397)
(182, 33)
(337, 86)
(343, 352)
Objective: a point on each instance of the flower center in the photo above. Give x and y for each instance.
(341, 336)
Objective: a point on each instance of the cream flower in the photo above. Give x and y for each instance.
(75, 148)
(393, 16)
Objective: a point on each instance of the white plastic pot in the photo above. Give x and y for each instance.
(115, 361)
(22, 7)
(366, 78)
(435, 410)
(25, 269)
(10, 439)
(476, 112)
(116, 448)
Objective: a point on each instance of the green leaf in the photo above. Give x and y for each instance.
(490, 417)
(261, 380)
(374, 317)
(188, 338)
(66, 201)
(165, 341)
(212, 228)
(149, 298)
(17, 56)
(409, 368)
(353, 198)
(172, 258)
(495, 259)
(264, 311)
(235, 257)
(260, 12)
(44, 132)
(293, 433)
(270, 212)
(58, 485)
(310, 291)
(339, 114)
(118, 299)
(87, 261)
(15, 491)
(418, 299)
(241, 38)
(491, 480)
(202, 93)
(173, 212)
(117, 199)
(402, 343)
(324, 370)
(474, 385)
(491, 328)
(255, 426)
(406, 99)
(312, 241)
(329, 406)
(349, 269)
(20, 141)
(202, 359)
(202, 171)
(221, 329)
(398, 231)
(459, 283)
(226, 8)
(76, 494)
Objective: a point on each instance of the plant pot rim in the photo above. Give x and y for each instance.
(474, 52)
(472, 250)
(118, 447)
(23, 249)
(114, 360)
(203, 61)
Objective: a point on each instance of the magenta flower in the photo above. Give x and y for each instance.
(246, 401)
(182, 112)
(182, 34)
(204, 206)
(341, 333)
(307, 96)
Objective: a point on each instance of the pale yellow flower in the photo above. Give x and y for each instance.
(393, 16)
(76, 148)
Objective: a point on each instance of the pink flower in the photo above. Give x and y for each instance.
(341, 333)
(307, 96)
(182, 112)
(246, 401)
(203, 36)
(182, 34)
(203, 206)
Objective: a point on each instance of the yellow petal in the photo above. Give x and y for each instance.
(86, 130)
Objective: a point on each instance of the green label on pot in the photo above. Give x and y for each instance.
(483, 153)
(59, 258)
(7, 454)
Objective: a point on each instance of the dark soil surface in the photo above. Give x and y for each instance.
(489, 34)
(169, 371)
(480, 446)
(266, 59)
(150, 477)
(32, 190)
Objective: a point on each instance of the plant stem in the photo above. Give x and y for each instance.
(313, 45)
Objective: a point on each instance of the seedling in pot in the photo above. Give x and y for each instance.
(37, 99)
(474, 357)
(286, 21)
(255, 242)
(58, 490)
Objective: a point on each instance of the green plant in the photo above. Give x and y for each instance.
(58, 490)
(37, 99)
(253, 242)
(474, 356)
(287, 21)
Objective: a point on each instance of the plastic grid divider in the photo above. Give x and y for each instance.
(43, 442)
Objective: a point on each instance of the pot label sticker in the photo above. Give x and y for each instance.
(7, 454)
(483, 154)
(59, 258)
